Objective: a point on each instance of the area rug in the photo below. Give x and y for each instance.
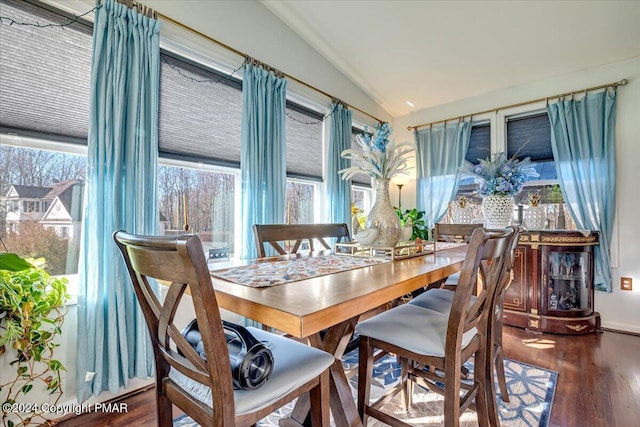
(531, 391)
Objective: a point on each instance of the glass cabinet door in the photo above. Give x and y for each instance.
(566, 272)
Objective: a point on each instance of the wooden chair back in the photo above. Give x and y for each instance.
(279, 236)
(453, 232)
(180, 261)
(486, 260)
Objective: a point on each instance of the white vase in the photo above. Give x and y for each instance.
(383, 217)
(498, 211)
(406, 233)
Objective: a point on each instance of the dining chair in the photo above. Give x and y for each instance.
(294, 235)
(289, 238)
(441, 300)
(423, 337)
(203, 387)
(452, 233)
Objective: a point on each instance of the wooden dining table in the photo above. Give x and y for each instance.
(332, 302)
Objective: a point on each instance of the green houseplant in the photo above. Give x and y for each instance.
(33, 307)
(414, 217)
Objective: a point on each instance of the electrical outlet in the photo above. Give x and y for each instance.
(626, 283)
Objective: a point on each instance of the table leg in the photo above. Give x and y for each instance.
(343, 407)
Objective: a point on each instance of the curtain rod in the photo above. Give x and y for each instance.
(244, 55)
(519, 104)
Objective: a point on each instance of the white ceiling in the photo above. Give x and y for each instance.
(435, 52)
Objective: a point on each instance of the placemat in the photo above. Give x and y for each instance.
(265, 274)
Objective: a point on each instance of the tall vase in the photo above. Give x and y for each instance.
(497, 211)
(383, 217)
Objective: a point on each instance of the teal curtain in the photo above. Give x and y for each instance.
(338, 190)
(440, 152)
(262, 152)
(122, 159)
(583, 144)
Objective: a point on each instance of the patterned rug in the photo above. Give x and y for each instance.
(531, 391)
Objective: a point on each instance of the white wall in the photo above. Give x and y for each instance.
(619, 309)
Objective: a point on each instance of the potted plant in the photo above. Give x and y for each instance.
(33, 303)
(413, 218)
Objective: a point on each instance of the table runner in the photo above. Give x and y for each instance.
(266, 274)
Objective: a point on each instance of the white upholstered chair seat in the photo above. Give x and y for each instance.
(439, 300)
(414, 328)
(452, 280)
(294, 364)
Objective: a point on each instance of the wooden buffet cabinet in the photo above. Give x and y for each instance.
(552, 289)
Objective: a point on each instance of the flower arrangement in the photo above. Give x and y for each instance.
(378, 156)
(499, 175)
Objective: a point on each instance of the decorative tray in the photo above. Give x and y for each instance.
(402, 250)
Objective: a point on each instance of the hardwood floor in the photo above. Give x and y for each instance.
(598, 383)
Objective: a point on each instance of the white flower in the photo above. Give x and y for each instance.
(379, 157)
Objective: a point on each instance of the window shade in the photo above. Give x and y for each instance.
(361, 178)
(45, 73)
(479, 143)
(199, 120)
(304, 142)
(530, 136)
(45, 78)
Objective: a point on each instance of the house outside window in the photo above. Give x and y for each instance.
(36, 232)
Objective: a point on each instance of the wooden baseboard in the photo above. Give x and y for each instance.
(114, 399)
(618, 331)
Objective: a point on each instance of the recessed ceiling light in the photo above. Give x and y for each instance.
(410, 104)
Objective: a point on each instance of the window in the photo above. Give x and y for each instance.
(45, 75)
(36, 175)
(209, 199)
(361, 198)
(200, 113)
(301, 204)
(479, 148)
(360, 179)
(304, 132)
(529, 135)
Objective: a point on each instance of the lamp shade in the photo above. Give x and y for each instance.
(400, 179)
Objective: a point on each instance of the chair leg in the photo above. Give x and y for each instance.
(452, 396)
(365, 371)
(319, 396)
(483, 379)
(165, 411)
(404, 370)
(502, 380)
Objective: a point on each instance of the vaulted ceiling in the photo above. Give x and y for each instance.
(436, 52)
